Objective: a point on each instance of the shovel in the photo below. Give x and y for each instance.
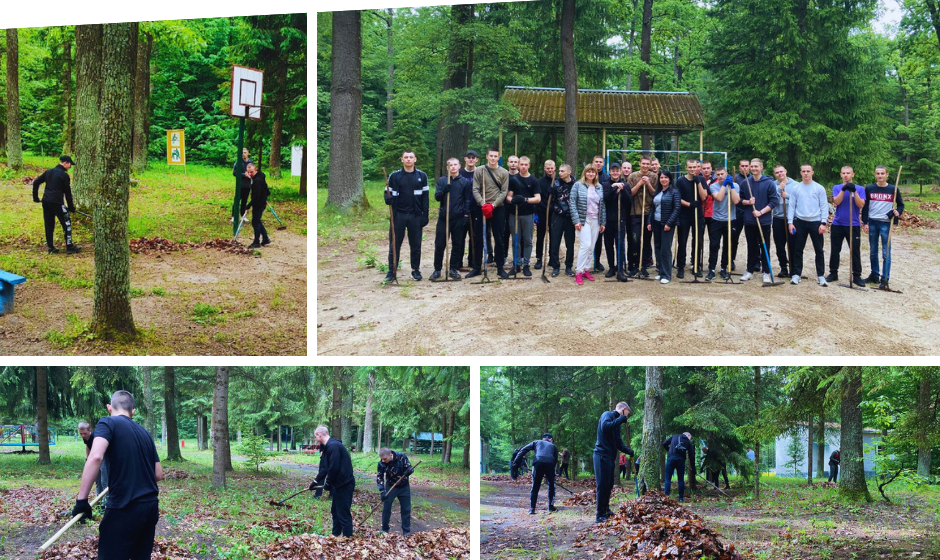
(241, 222)
(288, 506)
(271, 208)
(71, 522)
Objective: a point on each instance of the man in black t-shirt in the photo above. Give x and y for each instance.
(88, 436)
(129, 523)
(691, 207)
(526, 195)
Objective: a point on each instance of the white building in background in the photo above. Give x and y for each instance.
(870, 438)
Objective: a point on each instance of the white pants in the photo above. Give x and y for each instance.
(587, 237)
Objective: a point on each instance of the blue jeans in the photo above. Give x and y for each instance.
(677, 465)
(876, 230)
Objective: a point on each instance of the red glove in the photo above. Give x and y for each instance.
(487, 210)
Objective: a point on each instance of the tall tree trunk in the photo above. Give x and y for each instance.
(14, 141)
(200, 428)
(367, 436)
(646, 43)
(303, 171)
(67, 99)
(172, 441)
(111, 316)
(345, 186)
(378, 439)
(347, 410)
(450, 435)
(852, 483)
(277, 126)
(279, 438)
(42, 412)
(821, 445)
(571, 85)
(151, 418)
(934, 17)
(924, 395)
(651, 474)
(809, 450)
(142, 103)
(630, 46)
(455, 132)
(336, 408)
(389, 111)
(87, 105)
(757, 373)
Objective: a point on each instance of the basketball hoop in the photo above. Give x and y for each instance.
(246, 92)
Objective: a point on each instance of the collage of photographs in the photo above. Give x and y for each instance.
(560, 246)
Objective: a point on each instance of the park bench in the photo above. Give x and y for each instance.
(8, 282)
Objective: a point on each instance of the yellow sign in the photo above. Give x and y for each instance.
(175, 147)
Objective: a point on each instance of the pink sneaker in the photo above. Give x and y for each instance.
(588, 275)
(578, 279)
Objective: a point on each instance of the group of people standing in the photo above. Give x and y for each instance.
(635, 216)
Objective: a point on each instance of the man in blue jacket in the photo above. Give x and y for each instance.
(759, 197)
(608, 444)
(336, 476)
(678, 447)
(461, 192)
(543, 466)
(394, 470)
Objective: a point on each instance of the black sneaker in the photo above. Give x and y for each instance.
(72, 249)
(526, 271)
(555, 271)
(833, 277)
(711, 276)
(518, 269)
(724, 274)
(490, 260)
(473, 273)
(390, 277)
(857, 280)
(265, 242)
(699, 274)
(644, 273)
(611, 273)
(538, 264)
(502, 273)
(732, 266)
(255, 245)
(599, 268)
(532, 511)
(53, 250)
(454, 274)
(634, 272)
(784, 272)
(435, 275)
(873, 278)
(568, 271)
(416, 274)
(681, 273)
(883, 285)
(551, 507)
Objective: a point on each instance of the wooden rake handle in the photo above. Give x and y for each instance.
(71, 522)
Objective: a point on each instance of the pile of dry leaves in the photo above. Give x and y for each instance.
(910, 220)
(589, 497)
(675, 539)
(526, 479)
(285, 525)
(158, 245)
(439, 544)
(176, 473)
(87, 549)
(34, 505)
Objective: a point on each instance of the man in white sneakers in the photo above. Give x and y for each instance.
(807, 214)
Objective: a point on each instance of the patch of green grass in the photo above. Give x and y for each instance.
(206, 314)
(136, 292)
(158, 291)
(276, 300)
(244, 314)
(75, 329)
(48, 268)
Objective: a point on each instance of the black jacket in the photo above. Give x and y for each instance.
(335, 466)
(561, 197)
(389, 473)
(58, 185)
(545, 184)
(243, 182)
(679, 446)
(610, 199)
(545, 452)
(461, 193)
(669, 209)
(609, 441)
(835, 458)
(259, 192)
(408, 192)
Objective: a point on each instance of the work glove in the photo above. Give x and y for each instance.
(313, 486)
(850, 187)
(695, 204)
(424, 221)
(82, 508)
(36, 200)
(535, 218)
(518, 200)
(383, 495)
(72, 210)
(409, 472)
(487, 210)
(446, 188)
(728, 182)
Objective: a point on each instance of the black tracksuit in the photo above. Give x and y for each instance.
(678, 447)
(258, 204)
(834, 461)
(58, 191)
(561, 224)
(543, 466)
(386, 477)
(408, 196)
(764, 192)
(461, 193)
(244, 183)
(606, 448)
(336, 476)
(687, 190)
(614, 232)
(563, 466)
(474, 224)
(541, 222)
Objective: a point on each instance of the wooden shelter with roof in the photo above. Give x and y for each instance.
(638, 112)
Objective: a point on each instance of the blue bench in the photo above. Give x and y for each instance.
(8, 282)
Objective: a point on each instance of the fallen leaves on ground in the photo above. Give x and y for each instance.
(910, 220)
(930, 206)
(439, 544)
(150, 245)
(526, 479)
(176, 473)
(285, 525)
(87, 549)
(34, 505)
(589, 497)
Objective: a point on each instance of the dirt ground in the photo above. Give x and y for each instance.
(356, 315)
(269, 290)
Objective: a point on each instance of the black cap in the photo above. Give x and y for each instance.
(614, 164)
(63, 159)
(547, 435)
(471, 153)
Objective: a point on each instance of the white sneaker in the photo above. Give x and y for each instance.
(767, 279)
(795, 279)
(657, 277)
(746, 276)
(822, 281)
(664, 281)
(231, 220)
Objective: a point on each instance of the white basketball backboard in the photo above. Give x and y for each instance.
(246, 92)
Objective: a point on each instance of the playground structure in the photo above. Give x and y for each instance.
(22, 435)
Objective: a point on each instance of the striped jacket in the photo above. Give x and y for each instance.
(579, 194)
(408, 193)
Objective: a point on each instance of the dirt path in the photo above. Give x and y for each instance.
(357, 316)
(262, 302)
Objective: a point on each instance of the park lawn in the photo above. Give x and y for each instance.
(195, 301)
(208, 523)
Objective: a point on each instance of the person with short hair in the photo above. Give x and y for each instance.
(130, 520)
(57, 202)
(737, 226)
(258, 204)
(847, 221)
(678, 448)
(543, 467)
(613, 189)
(244, 183)
(692, 192)
(606, 447)
(474, 242)
(541, 223)
(461, 192)
(782, 238)
(654, 165)
(807, 215)
(561, 226)
(101, 482)
(395, 468)
(662, 221)
(878, 213)
(721, 188)
(588, 216)
(834, 459)
(563, 465)
(525, 195)
(708, 204)
(492, 181)
(335, 475)
(408, 194)
(760, 199)
(643, 183)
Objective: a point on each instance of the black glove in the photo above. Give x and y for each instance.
(36, 200)
(695, 204)
(446, 188)
(518, 199)
(850, 187)
(630, 453)
(82, 508)
(313, 486)
(424, 221)
(383, 494)
(409, 472)
(72, 210)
